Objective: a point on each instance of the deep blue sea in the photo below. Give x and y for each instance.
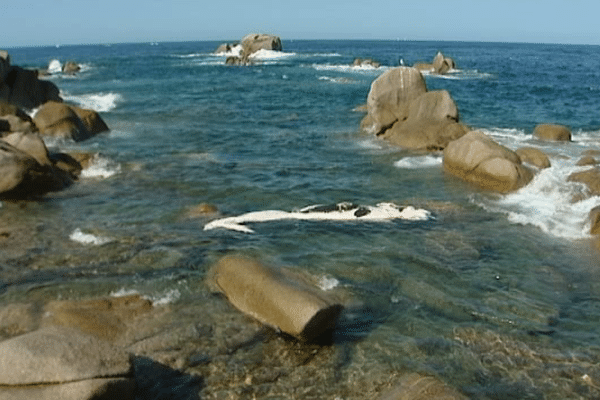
(495, 294)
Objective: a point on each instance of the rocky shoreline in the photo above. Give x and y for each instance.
(265, 331)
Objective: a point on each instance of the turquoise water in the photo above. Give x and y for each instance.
(498, 295)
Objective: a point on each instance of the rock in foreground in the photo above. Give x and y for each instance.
(54, 363)
(478, 159)
(276, 297)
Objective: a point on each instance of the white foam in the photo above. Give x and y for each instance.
(170, 296)
(54, 67)
(419, 162)
(366, 68)
(100, 102)
(326, 283)
(124, 292)
(342, 80)
(344, 212)
(547, 203)
(88, 238)
(234, 52)
(101, 167)
(264, 54)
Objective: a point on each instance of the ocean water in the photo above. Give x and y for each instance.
(499, 295)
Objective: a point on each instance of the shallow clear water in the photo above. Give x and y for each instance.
(516, 270)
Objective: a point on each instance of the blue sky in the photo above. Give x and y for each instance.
(51, 22)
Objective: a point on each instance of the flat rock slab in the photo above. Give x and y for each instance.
(96, 389)
(276, 297)
(57, 355)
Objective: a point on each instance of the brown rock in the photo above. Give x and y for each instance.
(30, 143)
(430, 125)
(594, 218)
(587, 160)
(442, 64)
(534, 157)
(64, 121)
(56, 355)
(67, 164)
(257, 41)
(590, 177)
(104, 318)
(91, 119)
(276, 297)
(90, 389)
(478, 159)
(422, 387)
(390, 97)
(557, 133)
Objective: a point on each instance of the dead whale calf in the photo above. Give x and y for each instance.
(335, 212)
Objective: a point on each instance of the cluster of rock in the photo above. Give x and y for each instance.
(440, 64)
(402, 111)
(249, 44)
(365, 62)
(27, 168)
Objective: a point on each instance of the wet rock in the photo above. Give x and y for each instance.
(105, 318)
(68, 122)
(276, 297)
(551, 132)
(431, 124)
(25, 90)
(442, 64)
(366, 62)
(17, 119)
(422, 387)
(53, 363)
(254, 42)
(71, 68)
(533, 156)
(66, 163)
(390, 96)
(30, 143)
(586, 160)
(478, 159)
(590, 178)
(594, 219)
(225, 48)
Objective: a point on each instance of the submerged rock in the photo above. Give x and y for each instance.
(422, 387)
(590, 178)
(478, 159)
(276, 297)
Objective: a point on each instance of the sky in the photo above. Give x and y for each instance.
(64, 22)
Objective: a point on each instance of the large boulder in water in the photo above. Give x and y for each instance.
(478, 159)
(534, 156)
(259, 41)
(432, 123)
(552, 132)
(390, 96)
(276, 297)
(442, 64)
(402, 111)
(69, 122)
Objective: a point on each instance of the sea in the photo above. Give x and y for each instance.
(497, 295)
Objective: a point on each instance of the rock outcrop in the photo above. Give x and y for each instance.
(478, 159)
(402, 111)
(53, 363)
(366, 63)
(590, 178)
(552, 132)
(440, 65)
(533, 156)
(250, 44)
(68, 122)
(276, 297)
(22, 88)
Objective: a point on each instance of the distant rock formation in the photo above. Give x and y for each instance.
(250, 44)
(366, 62)
(440, 64)
(402, 111)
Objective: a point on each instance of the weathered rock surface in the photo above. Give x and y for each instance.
(442, 64)
(30, 143)
(590, 178)
(254, 42)
(276, 297)
(551, 132)
(422, 387)
(533, 156)
(478, 159)
(53, 363)
(402, 111)
(68, 122)
(587, 160)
